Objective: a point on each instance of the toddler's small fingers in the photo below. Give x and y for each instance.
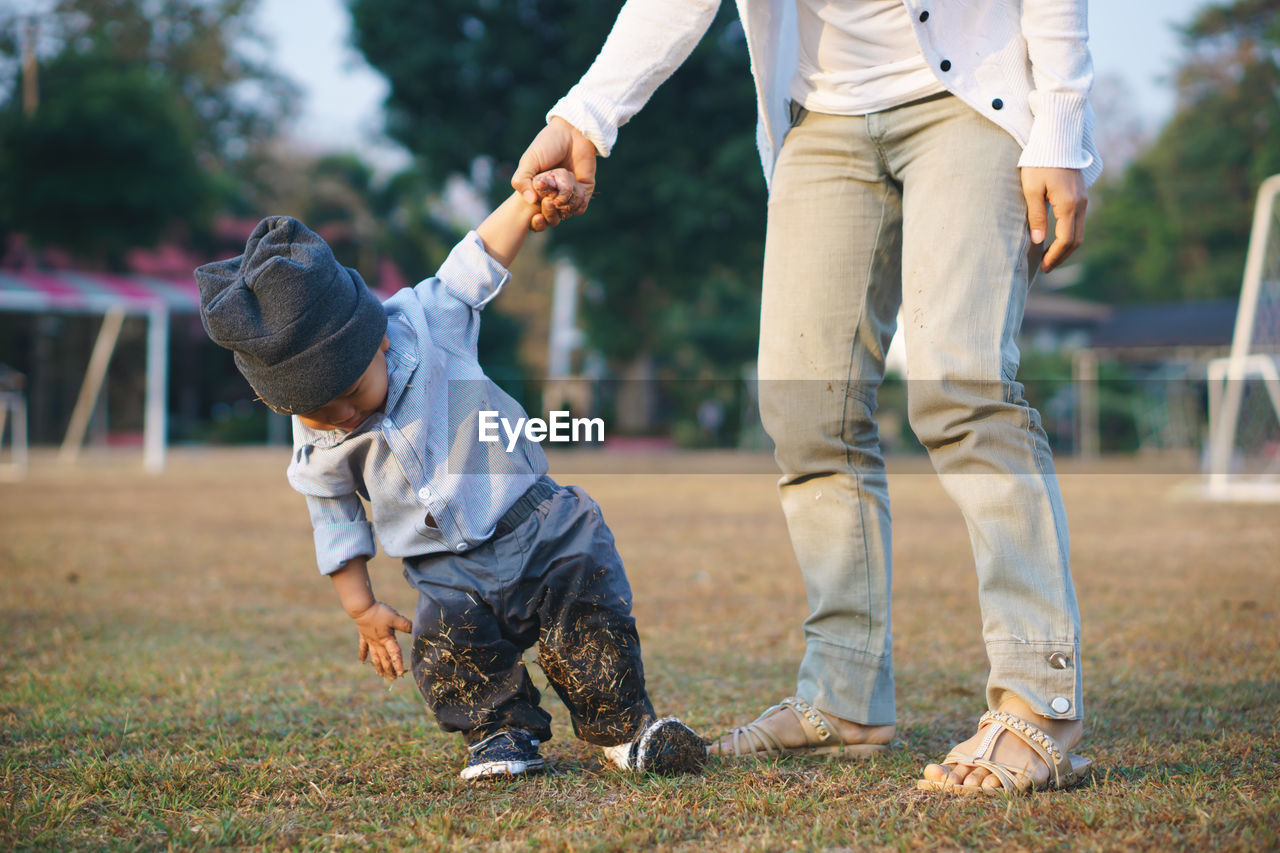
(393, 653)
(556, 182)
(364, 650)
(552, 214)
(569, 187)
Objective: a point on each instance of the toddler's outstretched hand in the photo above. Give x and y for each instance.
(559, 197)
(378, 644)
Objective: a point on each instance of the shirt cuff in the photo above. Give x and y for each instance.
(338, 543)
(471, 274)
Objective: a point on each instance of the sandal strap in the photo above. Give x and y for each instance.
(818, 730)
(757, 738)
(1013, 779)
(1053, 755)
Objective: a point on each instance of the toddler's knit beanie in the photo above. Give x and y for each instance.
(302, 326)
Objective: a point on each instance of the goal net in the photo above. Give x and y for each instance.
(1243, 457)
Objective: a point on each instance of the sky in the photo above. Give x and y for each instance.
(1132, 40)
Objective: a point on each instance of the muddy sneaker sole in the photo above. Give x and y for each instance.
(669, 747)
(491, 769)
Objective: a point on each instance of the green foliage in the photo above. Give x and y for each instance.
(149, 113)
(472, 79)
(105, 163)
(1175, 224)
(674, 235)
(677, 231)
(199, 46)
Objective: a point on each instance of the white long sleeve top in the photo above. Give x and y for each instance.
(1024, 64)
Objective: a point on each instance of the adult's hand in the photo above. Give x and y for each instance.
(559, 144)
(1064, 191)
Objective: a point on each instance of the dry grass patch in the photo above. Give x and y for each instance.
(174, 674)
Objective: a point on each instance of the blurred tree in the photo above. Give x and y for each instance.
(148, 114)
(1174, 225)
(105, 164)
(206, 49)
(342, 206)
(675, 233)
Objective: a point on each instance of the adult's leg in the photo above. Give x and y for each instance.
(967, 267)
(830, 297)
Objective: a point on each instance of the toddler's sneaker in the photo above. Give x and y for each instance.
(665, 746)
(509, 752)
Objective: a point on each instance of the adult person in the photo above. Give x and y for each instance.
(911, 147)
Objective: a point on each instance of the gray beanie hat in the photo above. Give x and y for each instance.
(303, 327)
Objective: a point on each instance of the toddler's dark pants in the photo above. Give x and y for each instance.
(550, 575)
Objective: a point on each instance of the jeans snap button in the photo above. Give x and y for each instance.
(1058, 660)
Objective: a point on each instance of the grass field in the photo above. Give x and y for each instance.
(175, 674)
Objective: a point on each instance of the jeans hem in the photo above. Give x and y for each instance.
(849, 684)
(1045, 675)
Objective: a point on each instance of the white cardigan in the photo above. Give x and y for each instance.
(1024, 64)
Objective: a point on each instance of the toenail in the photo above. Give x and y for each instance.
(1060, 704)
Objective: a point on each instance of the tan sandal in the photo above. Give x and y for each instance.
(755, 741)
(1065, 769)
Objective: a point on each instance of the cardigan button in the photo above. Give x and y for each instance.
(997, 104)
(924, 16)
(945, 65)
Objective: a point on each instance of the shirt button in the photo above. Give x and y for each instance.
(462, 546)
(997, 104)
(1060, 705)
(924, 16)
(424, 494)
(945, 65)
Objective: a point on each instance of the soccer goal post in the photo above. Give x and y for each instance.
(1242, 461)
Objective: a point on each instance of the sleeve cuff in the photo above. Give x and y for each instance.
(591, 116)
(337, 543)
(1057, 132)
(471, 274)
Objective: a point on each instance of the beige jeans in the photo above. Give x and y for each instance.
(920, 207)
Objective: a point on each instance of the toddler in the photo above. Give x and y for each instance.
(386, 399)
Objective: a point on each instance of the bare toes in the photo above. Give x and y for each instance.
(935, 772)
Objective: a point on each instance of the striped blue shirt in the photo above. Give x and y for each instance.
(431, 484)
